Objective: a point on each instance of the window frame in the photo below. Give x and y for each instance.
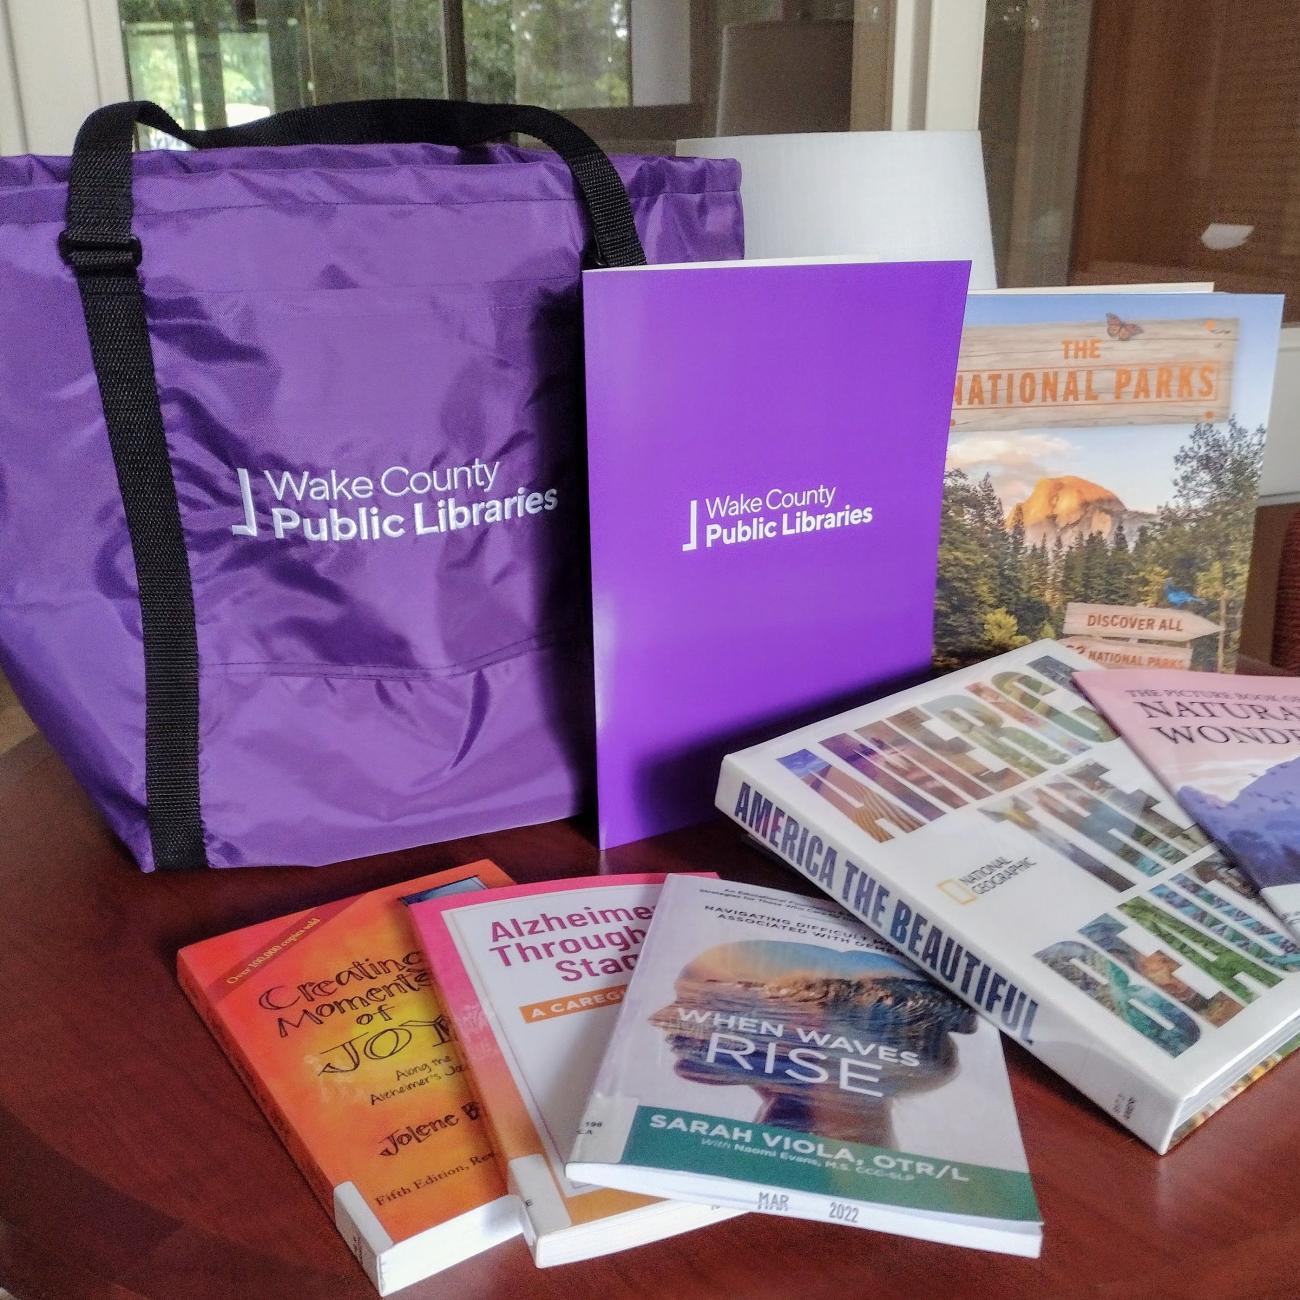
(60, 60)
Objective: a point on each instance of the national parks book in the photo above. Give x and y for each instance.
(533, 977)
(1228, 748)
(1102, 475)
(331, 1019)
(992, 825)
(765, 445)
(773, 1054)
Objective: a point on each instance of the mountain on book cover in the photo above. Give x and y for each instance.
(1228, 747)
(1261, 825)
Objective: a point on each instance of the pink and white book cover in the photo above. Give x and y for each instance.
(1228, 748)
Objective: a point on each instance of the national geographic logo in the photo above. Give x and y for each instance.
(984, 880)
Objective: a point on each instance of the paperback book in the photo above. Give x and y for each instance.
(1102, 474)
(765, 450)
(331, 1019)
(993, 826)
(1229, 750)
(772, 1054)
(533, 977)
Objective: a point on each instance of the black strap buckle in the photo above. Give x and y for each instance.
(111, 254)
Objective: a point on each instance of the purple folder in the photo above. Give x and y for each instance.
(766, 445)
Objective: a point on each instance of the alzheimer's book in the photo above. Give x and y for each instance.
(1229, 749)
(993, 826)
(1102, 475)
(331, 1018)
(533, 977)
(772, 1054)
(765, 450)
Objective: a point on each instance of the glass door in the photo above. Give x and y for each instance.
(638, 74)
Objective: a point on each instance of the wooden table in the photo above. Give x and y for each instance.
(133, 1163)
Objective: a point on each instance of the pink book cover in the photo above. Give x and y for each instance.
(533, 986)
(1228, 748)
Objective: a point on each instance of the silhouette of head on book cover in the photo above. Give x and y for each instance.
(828, 1039)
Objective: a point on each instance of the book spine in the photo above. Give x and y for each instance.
(275, 1117)
(1081, 1057)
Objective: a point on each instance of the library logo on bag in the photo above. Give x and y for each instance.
(736, 520)
(397, 502)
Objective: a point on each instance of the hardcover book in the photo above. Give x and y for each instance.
(994, 827)
(1229, 750)
(765, 447)
(331, 1019)
(772, 1054)
(533, 977)
(1102, 475)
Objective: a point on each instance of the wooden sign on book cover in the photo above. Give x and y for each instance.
(332, 1020)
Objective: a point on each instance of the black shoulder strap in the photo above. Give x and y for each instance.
(104, 254)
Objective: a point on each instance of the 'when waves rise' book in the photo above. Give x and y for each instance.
(331, 1019)
(532, 978)
(772, 1054)
(993, 826)
(1229, 749)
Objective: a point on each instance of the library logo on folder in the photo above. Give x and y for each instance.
(733, 521)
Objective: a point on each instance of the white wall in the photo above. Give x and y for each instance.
(58, 60)
(1280, 481)
(661, 51)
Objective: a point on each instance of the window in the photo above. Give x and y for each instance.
(1149, 142)
(1123, 141)
(638, 74)
(217, 62)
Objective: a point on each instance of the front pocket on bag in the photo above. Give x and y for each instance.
(377, 481)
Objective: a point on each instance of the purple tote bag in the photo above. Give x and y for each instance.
(292, 534)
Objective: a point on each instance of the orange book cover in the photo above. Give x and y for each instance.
(332, 1019)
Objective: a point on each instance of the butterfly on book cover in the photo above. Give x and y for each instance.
(1121, 329)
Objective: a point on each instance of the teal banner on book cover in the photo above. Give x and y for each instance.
(728, 1148)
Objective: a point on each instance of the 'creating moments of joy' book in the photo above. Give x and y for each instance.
(765, 462)
(532, 978)
(772, 1054)
(1229, 749)
(993, 826)
(331, 1019)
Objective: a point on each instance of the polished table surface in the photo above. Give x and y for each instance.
(133, 1163)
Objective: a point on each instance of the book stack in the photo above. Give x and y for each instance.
(602, 1062)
